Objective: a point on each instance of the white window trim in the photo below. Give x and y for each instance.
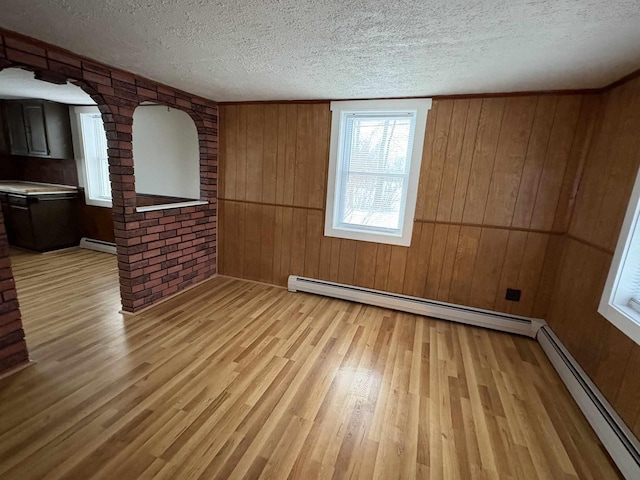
(421, 108)
(623, 317)
(78, 149)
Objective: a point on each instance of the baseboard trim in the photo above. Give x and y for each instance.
(16, 368)
(165, 299)
(98, 245)
(619, 441)
(429, 308)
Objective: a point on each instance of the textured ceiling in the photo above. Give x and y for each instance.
(320, 49)
(18, 83)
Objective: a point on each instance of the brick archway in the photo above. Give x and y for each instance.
(154, 261)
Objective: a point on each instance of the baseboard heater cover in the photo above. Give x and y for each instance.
(616, 437)
(98, 245)
(419, 306)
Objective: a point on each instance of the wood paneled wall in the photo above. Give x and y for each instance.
(610, 358)
(495, 196)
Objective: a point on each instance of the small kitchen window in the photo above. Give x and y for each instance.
(90, 145)
(374, 167)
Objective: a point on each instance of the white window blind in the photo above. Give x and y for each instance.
(94, 141)
(374, 167)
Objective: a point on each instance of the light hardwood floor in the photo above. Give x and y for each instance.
(234, 379)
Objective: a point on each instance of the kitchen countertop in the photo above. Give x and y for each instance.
(33, 188)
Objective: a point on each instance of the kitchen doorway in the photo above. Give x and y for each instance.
(55, 195)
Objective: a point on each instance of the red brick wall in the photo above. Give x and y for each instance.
(160, 252)
(13, 349)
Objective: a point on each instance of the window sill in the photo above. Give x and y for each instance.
(365, 236)
(166, 206)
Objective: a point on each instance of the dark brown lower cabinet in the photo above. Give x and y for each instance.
(41, 222)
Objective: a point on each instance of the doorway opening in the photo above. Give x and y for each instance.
(54, 192)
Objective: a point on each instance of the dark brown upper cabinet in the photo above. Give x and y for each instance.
(37, 128)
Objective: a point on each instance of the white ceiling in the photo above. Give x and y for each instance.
(314, 49)
(17, 83)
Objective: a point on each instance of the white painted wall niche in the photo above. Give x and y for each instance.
(166, 152)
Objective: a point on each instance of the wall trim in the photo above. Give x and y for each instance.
(503, 322)
(137, 313)
(16, 368)
(589, 244)
(495, 227)
(416, 220)
(268, 204)
(98, 245)
(618, 440)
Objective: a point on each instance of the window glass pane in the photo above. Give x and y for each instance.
(103, 186)
(373, 200)
(378, 144)
(94, 141)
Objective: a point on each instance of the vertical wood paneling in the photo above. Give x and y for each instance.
(625, 149)
(298, 241)
(281, 160)
(438, 246)
(321, 126)
(611, 164)
(436, 159)
(304, 146)
(489, 126)
(267, 243)
(534, 160)
(241, 154)
(448, 261)
(397, 266)
(255, 154)
(383, 257)
(485, 162)
(464, 264)
(252, 241)
(365, 269)
(290, 151)
(466, 158)
(312, 243)
(445, 262)
(286, 267)
(577, 158)
(347, 265)
(562, 135)
(530, 274)
(509, 161)
(488, 267)
(270, 154)
(510, 268)
(452, 160)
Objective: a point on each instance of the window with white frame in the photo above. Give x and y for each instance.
(374, 167)
(620, 302)
(90, 144)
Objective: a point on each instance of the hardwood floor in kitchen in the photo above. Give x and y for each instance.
(234, 379)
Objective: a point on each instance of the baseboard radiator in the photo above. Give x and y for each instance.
(419, 306)
(98, 245)
(619, 441)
